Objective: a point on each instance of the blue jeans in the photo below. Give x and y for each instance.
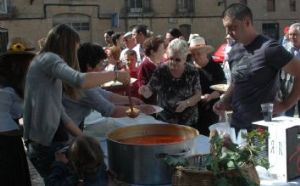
(43, 156)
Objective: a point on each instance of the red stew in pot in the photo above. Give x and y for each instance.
(152, 140)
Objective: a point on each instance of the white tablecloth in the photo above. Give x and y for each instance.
(99, 126)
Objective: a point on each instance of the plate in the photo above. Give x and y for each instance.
(112, 83)
(220, 87)
(157, 109)
(116, 83)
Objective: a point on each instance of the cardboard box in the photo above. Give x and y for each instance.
(283, 146)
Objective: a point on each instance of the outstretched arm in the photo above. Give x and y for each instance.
(293, 68)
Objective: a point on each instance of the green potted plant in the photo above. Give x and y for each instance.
(235, 165)
(228, 164)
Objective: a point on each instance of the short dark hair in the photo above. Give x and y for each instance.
(115, 37)
(13, 70)
(153, 44)
(109, 32)
(89, 54)
(175, 32)
(238, 11)
(141, 29)
(131, 52)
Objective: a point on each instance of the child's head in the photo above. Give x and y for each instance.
(86, 156)
(130, 56)
(91, 57)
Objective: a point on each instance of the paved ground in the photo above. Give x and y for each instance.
(36, 179)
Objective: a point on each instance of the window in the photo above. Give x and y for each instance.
(77, 21)
(80, 26)
(3, 39)
(293, 5)
(138, 6)
(3, 7)
(185, 30)
(271, 30)
(271, 5)
(243, 2)
(185, 5)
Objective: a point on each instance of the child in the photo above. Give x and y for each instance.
(130, 58)
(83, 165)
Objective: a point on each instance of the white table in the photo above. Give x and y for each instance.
(99, 126)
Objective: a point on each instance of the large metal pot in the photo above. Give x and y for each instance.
(143, 164)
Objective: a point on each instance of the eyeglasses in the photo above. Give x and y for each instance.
(177, 60)
(293, 35)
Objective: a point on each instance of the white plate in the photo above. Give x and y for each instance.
(116, 83)
(220, 87)
(157, 109)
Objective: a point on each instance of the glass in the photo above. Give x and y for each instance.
(293, 34)
(267, 111)
(177, 60)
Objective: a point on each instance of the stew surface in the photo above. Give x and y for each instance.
(154, 139)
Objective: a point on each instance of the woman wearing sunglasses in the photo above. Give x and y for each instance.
(177, 85)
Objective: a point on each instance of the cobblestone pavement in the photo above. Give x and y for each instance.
(36, 179)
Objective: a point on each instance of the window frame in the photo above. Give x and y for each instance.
(293, 5)
(3, 6)
(271, 5)
(80, 23)
(138, 6)
(184, 6)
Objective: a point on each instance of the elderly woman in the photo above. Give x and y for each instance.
(210, 73)
(287, 81)
(177, 85)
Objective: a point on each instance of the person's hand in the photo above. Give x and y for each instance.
(145, 91)
(181, 106)
(147, 109)
(61, 157)
(219, 108)
(123, 77)
(136, 101)
(279, 107)
(206, 97)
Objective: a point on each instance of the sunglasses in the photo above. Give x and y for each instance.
(177, 60)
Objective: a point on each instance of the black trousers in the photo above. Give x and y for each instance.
(14, 169)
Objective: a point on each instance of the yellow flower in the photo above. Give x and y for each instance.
(18, 47)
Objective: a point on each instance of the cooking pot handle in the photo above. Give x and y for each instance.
(178, 154)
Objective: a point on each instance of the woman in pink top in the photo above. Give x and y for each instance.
(154, 51)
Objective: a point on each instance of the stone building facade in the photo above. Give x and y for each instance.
(34, 18)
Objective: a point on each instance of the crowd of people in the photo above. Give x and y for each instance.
(55, 88)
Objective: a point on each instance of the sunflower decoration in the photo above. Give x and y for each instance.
(17, 47)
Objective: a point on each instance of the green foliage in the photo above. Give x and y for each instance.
(227, 160)
(227, 156)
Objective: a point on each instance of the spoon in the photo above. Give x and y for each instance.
(129, 98)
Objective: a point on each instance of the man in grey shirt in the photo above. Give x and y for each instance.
(255, 65)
